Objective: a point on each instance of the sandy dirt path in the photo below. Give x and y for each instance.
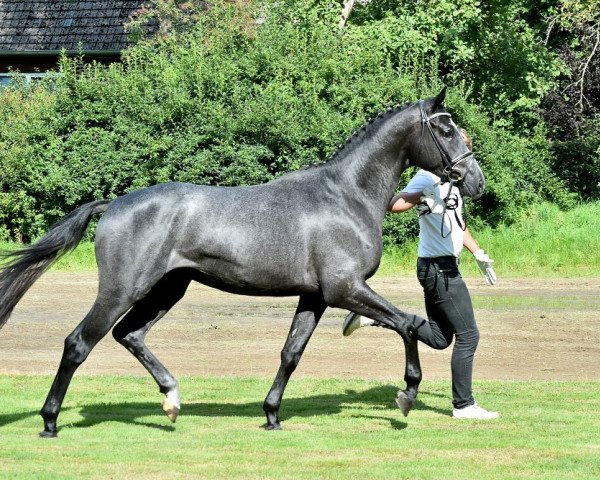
(530, 329)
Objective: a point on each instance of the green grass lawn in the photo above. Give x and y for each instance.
(112, 427)
(547, 242)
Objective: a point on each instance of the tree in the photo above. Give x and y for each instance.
(346, 10)
(572, 110)
(581, 18)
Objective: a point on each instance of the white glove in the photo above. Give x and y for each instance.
(485, 264)
(433, 200)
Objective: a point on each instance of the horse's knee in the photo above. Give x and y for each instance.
(290, 359)
(75, 351)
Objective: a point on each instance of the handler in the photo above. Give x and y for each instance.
(442, 236)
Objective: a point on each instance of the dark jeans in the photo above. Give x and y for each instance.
(450, 314)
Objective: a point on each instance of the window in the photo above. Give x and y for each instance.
(7, 78)
(34, 76)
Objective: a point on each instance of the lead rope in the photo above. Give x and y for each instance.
(451, 203)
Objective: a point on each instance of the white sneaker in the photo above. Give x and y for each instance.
(474, 412)
(353, 322)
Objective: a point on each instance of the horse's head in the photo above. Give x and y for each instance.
(439, 147)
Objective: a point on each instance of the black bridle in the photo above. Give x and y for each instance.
(450, 174)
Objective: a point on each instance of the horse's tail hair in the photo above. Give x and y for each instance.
(21, 268)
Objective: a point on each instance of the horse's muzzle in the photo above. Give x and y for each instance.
(473, 185)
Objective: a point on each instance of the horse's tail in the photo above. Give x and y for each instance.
(24, 266)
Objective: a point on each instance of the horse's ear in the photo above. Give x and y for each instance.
(438, 101)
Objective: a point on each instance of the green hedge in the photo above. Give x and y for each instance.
(228, 103)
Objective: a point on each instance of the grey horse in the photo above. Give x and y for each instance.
(315, 233)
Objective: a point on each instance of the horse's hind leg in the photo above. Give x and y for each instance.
(100, 319)
(360, 299)
(309, 312)
(132, 329)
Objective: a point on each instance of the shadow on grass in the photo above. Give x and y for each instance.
(8, 418)
(134, 413)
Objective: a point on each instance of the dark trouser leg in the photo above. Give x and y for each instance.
(309, 312)
(450, 310)
(462, 368)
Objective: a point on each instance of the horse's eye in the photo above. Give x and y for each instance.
(448, 132)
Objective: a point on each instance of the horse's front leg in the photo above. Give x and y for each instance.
(309, 312)
(405, 399)
(361, 300)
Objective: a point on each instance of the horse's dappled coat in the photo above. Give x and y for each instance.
(315, 233)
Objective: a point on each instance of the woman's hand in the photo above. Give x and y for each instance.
(485, 264)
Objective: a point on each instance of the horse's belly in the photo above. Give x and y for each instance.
(250, 276)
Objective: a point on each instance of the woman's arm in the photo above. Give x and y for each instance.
(469, 242)
(404, 202)
(483, 259)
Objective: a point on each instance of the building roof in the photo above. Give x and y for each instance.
(48, 26)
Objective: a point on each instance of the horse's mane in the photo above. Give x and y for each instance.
(359, 134)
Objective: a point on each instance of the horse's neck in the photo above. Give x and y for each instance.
(371, 169)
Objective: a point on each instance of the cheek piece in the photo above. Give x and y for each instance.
(450, 173)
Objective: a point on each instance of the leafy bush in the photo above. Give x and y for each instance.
(225, 104)
(489, 47)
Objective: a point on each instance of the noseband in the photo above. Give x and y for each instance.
(450, 172)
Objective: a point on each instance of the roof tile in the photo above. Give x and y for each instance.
(40, 25)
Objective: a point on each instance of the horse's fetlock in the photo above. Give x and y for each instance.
(413, 377)
(47, 413)
(168, 385)
(270, 407)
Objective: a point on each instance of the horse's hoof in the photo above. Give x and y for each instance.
(48, 434)
(171, 410)
(272, 426)
(404, 402)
